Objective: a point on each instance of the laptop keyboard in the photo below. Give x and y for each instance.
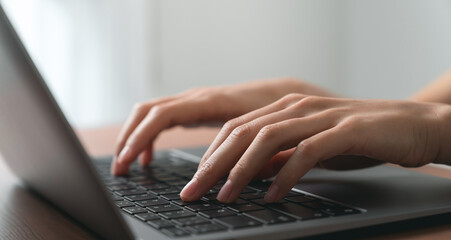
(151, 194)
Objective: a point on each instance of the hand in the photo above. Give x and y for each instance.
(197, 106)
(292, 135)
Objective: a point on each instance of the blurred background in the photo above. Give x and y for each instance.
(99, 57)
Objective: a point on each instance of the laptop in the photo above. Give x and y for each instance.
(40, 147)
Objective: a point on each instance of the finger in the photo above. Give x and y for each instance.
(180, 111)
(139, 112)
(228, 153)
(233, 124)
(273, 166)
(269, 141)
(147, 155)
(319, 147)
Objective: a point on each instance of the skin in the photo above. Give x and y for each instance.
(285, 127)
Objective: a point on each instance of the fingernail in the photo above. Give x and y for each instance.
(225, 192)
(190, 189)
(124, 155)
(273, 193)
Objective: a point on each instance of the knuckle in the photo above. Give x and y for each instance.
(239, 169)
(290, 98)
(351, 123)
(306, 101)
(205, 170)
(268, 132)
(202, 91)
(210, 95)
(140, 107)
(241, 131)
(307, 149)
(230, 125)
(158, 110)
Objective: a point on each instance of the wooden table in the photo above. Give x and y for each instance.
(24, 215)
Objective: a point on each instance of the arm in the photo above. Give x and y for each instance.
(438, 91)
(406, 133)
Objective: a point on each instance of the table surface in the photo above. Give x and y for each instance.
(25, 215)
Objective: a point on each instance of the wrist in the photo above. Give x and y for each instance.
(444, 120)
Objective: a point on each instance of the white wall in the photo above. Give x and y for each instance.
(393, 48)
(96, 56)
(220, 42)
(101, 56)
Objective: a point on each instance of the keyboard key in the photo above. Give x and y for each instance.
(212, 191)
(270, 217)
(160, 223)
(205, 228)
(166, 178)
(134, 210)
(175, 232)
(215, 201)
(164, 191)
(116, 197)
(183, 203)
(187, 221)
(254, 195)
(145, 196)
(248, 190)
(124, 203)
(245, 207)
(217, 213)
(114, 182)
(298, 211)
(118, 187)
(155, 186)
(152, 202)
(260, 185)
(211, 197)
(171, 196)
(263, 203)
(137, 178)
(147, 216)
(177, 214)
(203, 207)
(239, 201)
(300, 199)
(130, 192)
(145, 182)
(179, 182)
(238, 221)
(164, 208)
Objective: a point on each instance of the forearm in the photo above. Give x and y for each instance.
(444, 117)
(438, 91)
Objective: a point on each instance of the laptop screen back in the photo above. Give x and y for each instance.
(40, 147)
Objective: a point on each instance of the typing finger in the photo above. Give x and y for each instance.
(270, 140)
(310, 151)
(180, 111)
(231, 125)
(227, 154)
